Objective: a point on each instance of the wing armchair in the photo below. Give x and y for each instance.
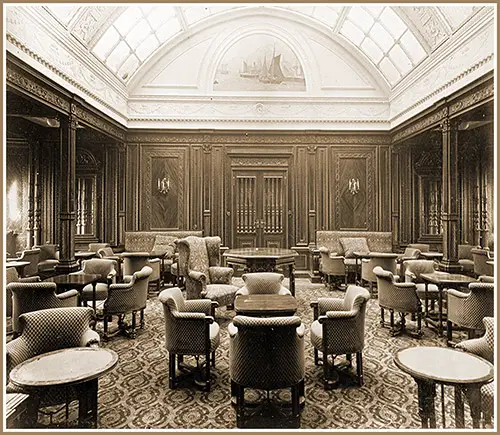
(190, 329)
(199, 258)
(339, 328)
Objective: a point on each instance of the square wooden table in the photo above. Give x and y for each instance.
(78, 282)
(442, 280)
(262, 305)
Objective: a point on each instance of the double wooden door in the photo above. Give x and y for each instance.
(259, 208)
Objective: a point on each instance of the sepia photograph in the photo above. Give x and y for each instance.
(249, 216)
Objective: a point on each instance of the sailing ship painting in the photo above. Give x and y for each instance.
(259, 63)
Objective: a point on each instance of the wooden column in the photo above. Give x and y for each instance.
(67, 161)
(122, 161)
(450, 197)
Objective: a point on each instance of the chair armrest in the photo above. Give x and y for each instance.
(221, 274)
(337, 315)
(197, 276)
(154, 260)
(301, 330)
(183, 315)
(232, 330)
(68, 294)
(457, 293)
(127, 278)
(89, 338)
(410, 276)
(409, 285)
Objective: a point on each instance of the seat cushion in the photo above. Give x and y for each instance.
(354, 244)
(263, 283)
(317, 335)
(101, 292)
(222, 293)
(47, 265)
(432, 291)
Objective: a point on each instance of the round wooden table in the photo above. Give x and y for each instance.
(464, 371)
(68, 367)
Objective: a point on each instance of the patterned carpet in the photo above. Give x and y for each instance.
(135, 395)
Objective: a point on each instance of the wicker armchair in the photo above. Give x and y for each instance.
(467, 310)
(33, 257)
(267, 354)
(199, 260)
(99, 266)
(33, 296)
(62, 328)
(263, 283)
(400, 297)
(127, 298)
(485, 348)
(339, 328)
(190, 329)
(332, 266)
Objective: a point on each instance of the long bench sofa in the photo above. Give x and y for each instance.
(377, 241)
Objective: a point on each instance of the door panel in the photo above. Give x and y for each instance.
(259, 208)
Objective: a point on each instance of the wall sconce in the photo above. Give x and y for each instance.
(354, 185)
(163, 185)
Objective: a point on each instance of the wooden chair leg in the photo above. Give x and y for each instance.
(240, 406)
(325, 371)
(449, 335)
(359, 367)
(207, 371)
(105, 326)
(213, 358)
(141, 322)
(295, 401)
(391, 319)
(382, 317)
(171, 370)
(316, 357)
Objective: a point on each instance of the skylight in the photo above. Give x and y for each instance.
(384, 38)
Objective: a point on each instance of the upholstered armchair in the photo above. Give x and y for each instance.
(413, 271)
(33, 296)
(339, 328)
(98, 266)
(33, 257)
(400, 297)
(11, 275)
(190, 329)
(263, 283)
(485, 348)
(48, 259)
(350, 245)
(199, 259)
(332, 266)
(466, 259)
(408, 254)
(62, 328)
(165, 248)
(135, 261)
(127, 298)
(481, 256)
(266, 353)
(467, 310)
(422, 247)
(369, 264)
(108, 254)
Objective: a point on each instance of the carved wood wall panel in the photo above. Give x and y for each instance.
(354, 186)
(302, 217)
(197, 175)
(133, 203)
(163, 211)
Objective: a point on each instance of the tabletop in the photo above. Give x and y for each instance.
(432, 255)
(376, 254)
(263, 302)
(85, 254)
(137, 254)
(445, 365)
(260, 253)
(76, 279)
(447, 278)
(16, 263)
(64, 367)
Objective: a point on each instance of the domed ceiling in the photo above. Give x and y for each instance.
(257, 66)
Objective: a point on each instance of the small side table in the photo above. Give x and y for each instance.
(441, 365)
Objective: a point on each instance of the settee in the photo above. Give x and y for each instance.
(376, 241)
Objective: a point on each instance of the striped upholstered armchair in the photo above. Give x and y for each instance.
(467, 310)
(339, 328)
(266, 353)
(263, 283)
(63, 328)
(199, 258)
(399, 297)
(190, 329)
(484, 347)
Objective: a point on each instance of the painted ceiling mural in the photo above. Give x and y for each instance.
(259, 63)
